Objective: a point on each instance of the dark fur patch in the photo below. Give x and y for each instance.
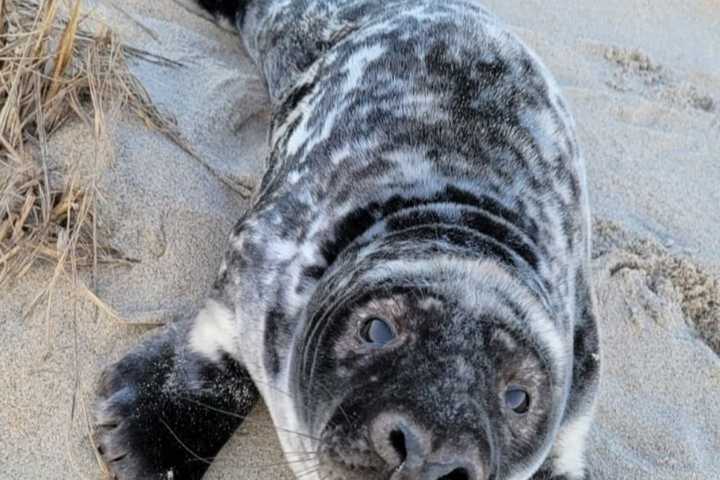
(360, 220)
(290, 102)
(351, 227)
(273, 320)
(313, 272)
(233, 10)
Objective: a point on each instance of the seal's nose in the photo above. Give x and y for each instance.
(406, 448)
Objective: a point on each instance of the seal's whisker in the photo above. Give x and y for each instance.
(235, 415)
(305, 435)
(184, 446)
(308, 472)
(301, 452)
(273, 465)
(210, 407)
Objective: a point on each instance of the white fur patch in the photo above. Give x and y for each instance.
(213, 331)
(357, 63)
(295, 437)
(569, 450)
(294, 177)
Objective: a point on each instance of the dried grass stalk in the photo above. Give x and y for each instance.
(53, 71)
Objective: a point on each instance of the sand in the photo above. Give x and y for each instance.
(643, 79)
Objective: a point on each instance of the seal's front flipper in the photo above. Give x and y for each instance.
(167, 407)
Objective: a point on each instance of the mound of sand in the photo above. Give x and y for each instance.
(650, 132)
(658, 313)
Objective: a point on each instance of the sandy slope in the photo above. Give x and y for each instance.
(644, 81)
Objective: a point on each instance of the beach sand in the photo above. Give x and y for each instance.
(643, 79)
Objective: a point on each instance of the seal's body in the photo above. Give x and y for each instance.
(409, 290)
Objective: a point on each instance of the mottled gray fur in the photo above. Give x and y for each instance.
(423, 170)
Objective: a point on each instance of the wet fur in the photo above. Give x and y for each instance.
(412, 141)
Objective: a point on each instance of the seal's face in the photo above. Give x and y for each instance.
(404, 382)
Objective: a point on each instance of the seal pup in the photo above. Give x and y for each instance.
(409, 290)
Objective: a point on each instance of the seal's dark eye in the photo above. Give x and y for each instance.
(517, 400)
(376, 331)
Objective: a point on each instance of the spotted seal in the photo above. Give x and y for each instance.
(409, 290)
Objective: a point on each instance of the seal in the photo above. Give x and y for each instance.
(409, 291)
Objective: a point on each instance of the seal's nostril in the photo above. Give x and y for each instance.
(397, 440)
(457, 474)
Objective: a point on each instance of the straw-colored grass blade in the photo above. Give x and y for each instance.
(65, 51)
(2, 21)
(52, 67)
(47, 14)
(24, 213)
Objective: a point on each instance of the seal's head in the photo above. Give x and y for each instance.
(435, 367)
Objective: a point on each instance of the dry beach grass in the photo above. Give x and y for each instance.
(53, 71)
